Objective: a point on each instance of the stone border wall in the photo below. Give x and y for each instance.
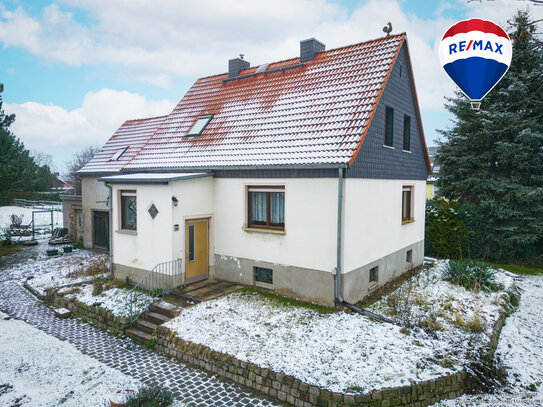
(290, 390)
(94, 315)
(279, 386)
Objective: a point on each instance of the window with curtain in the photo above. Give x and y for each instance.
(266, 207)
(128, 210)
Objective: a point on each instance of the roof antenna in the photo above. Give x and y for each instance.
(241, 56)
(387, 28)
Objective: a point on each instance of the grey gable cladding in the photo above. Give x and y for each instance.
(373, 160)
(378, 162)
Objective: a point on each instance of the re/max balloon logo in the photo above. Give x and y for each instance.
(475, 54)
(461, 46)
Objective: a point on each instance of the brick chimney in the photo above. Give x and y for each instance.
(235, 66)
(310, 48)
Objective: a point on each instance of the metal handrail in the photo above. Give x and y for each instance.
(161, 280)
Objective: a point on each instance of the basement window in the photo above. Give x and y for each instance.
(409, 256)
(118, 154)
(263, 276)
(200, 125)
(374, 274)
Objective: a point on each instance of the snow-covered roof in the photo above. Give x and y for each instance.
(131, 137)
(292, 114)
(152, 178)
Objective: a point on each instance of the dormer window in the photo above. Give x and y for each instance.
(118, 154)
(200, 125)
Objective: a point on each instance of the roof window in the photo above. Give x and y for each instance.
(200, 125)
(262, 68)
(118, 154)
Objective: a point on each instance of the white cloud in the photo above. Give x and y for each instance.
(54, 130)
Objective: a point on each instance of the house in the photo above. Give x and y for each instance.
(305, 176)
(431, 188)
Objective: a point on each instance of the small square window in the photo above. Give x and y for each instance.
(263, 275)
(374, 274)
(199, 126)
(409, 256)
(153, 211)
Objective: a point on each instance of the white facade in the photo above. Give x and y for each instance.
(303, 256)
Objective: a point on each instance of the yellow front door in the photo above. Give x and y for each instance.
(196, 233)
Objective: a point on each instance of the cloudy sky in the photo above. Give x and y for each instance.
(75, 70)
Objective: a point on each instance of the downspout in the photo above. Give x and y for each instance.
(110, 229)
(339, 298)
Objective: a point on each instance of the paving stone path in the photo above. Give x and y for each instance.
(188, 385)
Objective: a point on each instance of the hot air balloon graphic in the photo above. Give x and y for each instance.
(475, 54)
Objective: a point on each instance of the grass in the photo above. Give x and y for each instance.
(9, 250)
(518, 269)
(471, 275)
(285, 301)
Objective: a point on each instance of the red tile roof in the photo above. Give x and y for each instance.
(132, 134)
(316, 113)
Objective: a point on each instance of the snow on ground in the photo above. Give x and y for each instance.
(337, 351)
(112, 299)
(520, 350)
(44, 371)
(59, 270)
(439, 309)
(521, 342)
(42, 218)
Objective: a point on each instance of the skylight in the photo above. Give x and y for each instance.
(200, 125)
(118, 154)
(262, 68)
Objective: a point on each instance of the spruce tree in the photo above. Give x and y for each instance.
(492, 159)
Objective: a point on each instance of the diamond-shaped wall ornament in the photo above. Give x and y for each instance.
(153, 211)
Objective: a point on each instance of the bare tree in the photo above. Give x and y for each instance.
(77, 162)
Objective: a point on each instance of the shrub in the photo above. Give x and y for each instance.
(150, 397)
(78, 244)
(445, 230)
(471, 275)
(97, 286)
(16, 221)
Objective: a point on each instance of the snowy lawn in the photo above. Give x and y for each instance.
(520, 350)
(337, 351)
(60, 270)
(44, 371)
(42, 218)
(349, 352)
(112, 298)
(433, 308)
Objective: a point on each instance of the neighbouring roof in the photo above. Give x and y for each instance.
(132, 136)
(152, 178)
(311, 114)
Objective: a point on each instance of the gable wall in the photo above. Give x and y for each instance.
(378, 162)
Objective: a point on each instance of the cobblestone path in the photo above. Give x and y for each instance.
(188, 385)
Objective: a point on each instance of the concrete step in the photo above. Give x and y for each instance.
(166, 309)
(138, 336)
(155, 318)
(146, 326)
